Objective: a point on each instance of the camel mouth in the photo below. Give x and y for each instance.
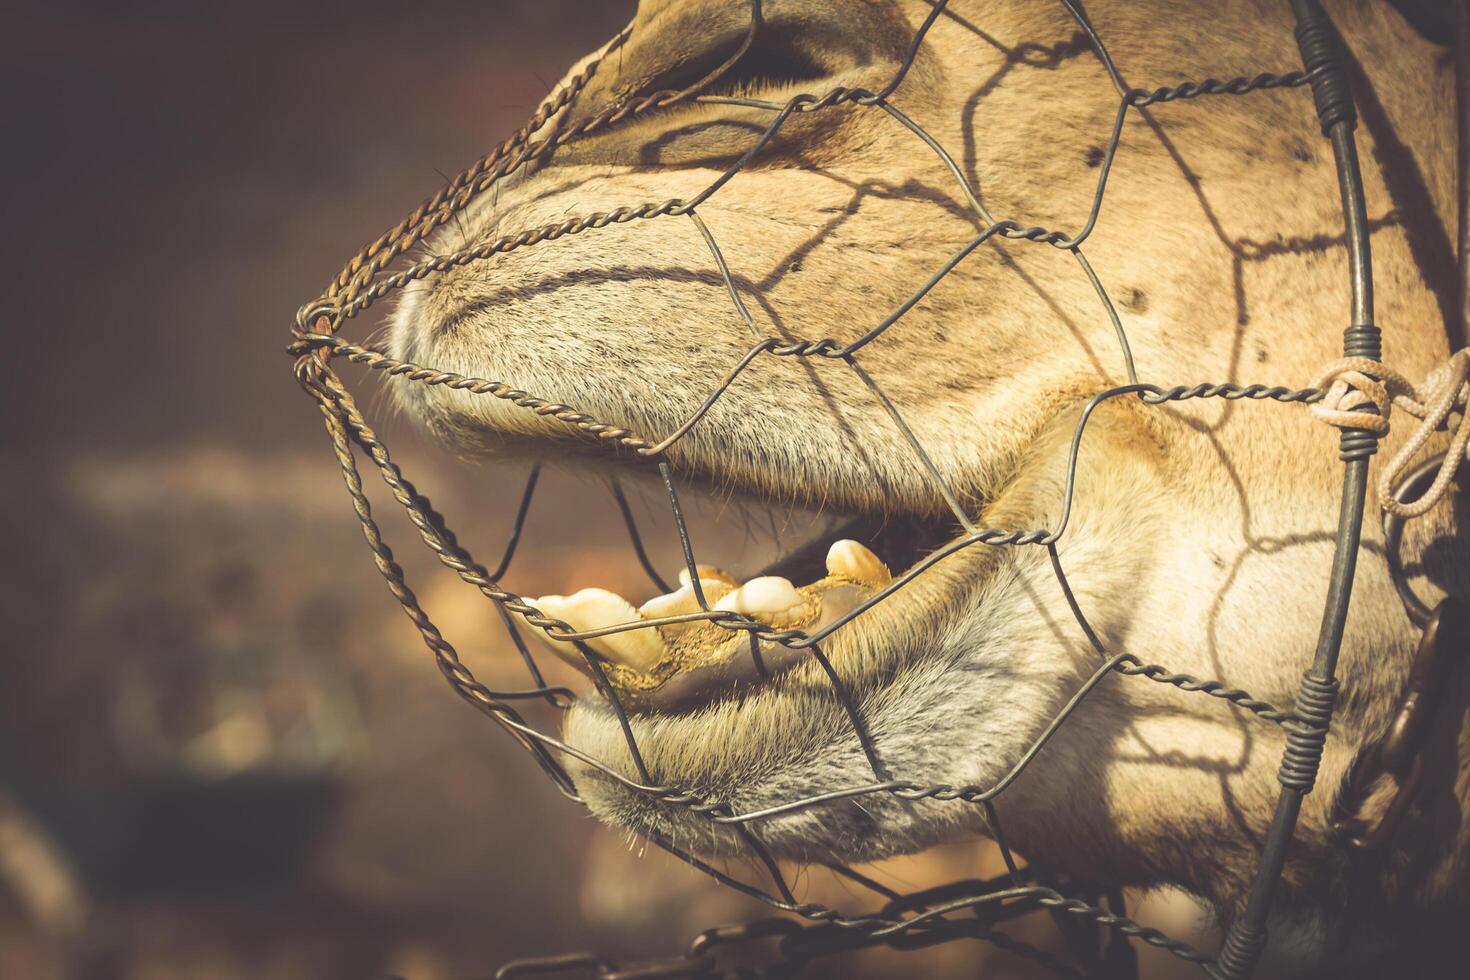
(715, 637)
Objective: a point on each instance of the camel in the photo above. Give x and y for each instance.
(1200, 531)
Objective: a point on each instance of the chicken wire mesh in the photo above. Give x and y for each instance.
(1095, 924)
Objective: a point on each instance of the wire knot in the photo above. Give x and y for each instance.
(1353, 383)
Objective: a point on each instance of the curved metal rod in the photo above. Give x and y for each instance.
(636, 538)
(662, 446)
(714, 247)
(519, 525)
(1319, 42)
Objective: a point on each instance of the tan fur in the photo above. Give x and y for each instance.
(1201, 535)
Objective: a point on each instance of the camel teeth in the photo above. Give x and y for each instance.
(708, 573)
(681, 602)
(850, 559)
(763, 597)
(714, 589)
(641, 649)
(593, 609)
(554, 607)
(675, 603)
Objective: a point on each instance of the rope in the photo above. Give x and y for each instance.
(1355, 383)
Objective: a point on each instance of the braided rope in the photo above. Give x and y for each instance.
(1355, 383)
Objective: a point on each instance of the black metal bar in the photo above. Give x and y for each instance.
(1460, 331)
(519, 525)
(684, 543)
(636, 538)
(1248, 935)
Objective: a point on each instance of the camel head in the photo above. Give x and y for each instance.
(1200, 532)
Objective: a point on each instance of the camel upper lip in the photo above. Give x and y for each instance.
(669, 668)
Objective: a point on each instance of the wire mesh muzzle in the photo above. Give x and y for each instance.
(917, 920)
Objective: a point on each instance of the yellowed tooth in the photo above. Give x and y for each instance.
(708, 573)
(554, 606)
(762, 597)
(675, 603)
(713, 588)
(680, 602)
(593, 609)
(642, 649)
(850, 559)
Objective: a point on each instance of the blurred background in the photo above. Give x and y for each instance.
(223, 750)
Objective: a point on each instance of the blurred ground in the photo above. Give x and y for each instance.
(223, 751)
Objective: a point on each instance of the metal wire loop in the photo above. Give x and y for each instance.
(903, 921)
